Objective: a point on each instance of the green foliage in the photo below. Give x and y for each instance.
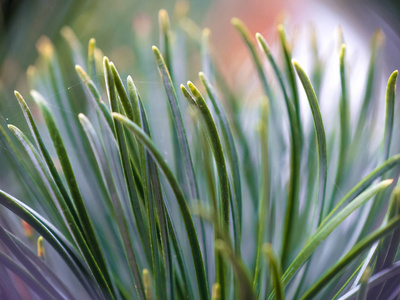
(125, 208)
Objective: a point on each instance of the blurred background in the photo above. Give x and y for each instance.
(22, 22)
